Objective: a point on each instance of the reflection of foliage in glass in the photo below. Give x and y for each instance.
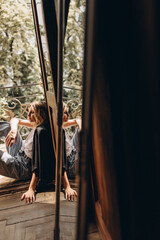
(19, 62)
(73, 56)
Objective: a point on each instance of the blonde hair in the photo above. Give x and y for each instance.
(40, 112)
(65, 111)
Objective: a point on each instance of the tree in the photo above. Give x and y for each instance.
(73, 55)
(19, 63)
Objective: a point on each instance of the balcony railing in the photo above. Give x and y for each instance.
(17, 106)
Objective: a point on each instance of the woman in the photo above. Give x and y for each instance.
(71, 145)
(35, 157)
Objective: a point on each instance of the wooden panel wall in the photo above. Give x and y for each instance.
(103, 173)
(126, 117)
(106, 203)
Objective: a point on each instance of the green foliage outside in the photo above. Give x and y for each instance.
(73, 56)
(19, 62)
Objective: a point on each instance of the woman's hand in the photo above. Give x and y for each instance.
(70, 194)
(29, 196)
(12, 135)
(11, 138)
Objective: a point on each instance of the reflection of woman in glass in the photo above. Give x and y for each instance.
(33, 159)
(71, 145)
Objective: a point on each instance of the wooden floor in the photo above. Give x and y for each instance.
(35, 221)
(19, 221)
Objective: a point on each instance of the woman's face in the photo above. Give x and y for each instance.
(66, 114)
(31, 116)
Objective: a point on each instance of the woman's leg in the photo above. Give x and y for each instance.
(12, 164)
(76, 140)
(14, 167)
(4, 130)
(72, 160)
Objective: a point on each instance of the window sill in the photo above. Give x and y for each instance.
(10, 185)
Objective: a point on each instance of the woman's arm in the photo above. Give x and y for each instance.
(12, 135)
(29, 196)
(72, 122)
(26, 123)
(23, 122)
